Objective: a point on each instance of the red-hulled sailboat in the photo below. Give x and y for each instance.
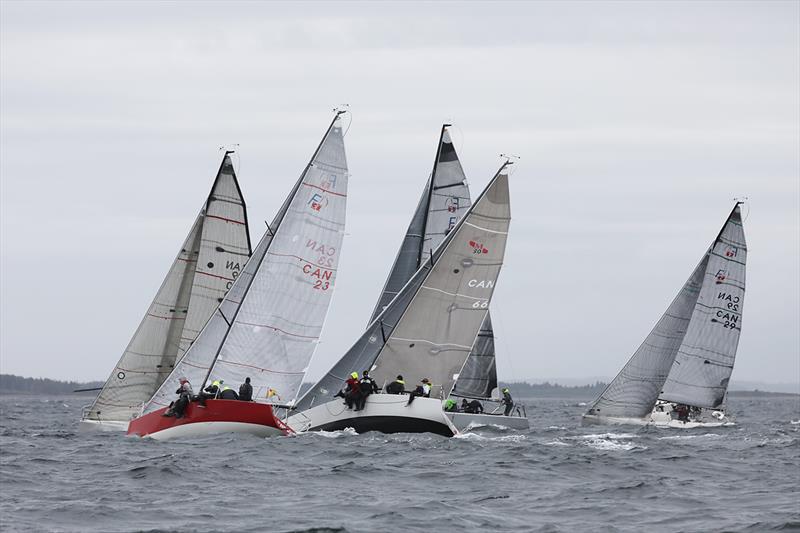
(269, 323)
(218, 416)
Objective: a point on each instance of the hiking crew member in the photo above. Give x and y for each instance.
(228, 394)
(351, 390)
(450, 406)
(421, 390)
(178, 407)
(210, 392)
(474, 407)
(507, 401)
(246, 391)
(398, 386)
(367, 386)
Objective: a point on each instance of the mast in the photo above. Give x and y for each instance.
(272, 230)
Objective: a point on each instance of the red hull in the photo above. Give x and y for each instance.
(232, 415)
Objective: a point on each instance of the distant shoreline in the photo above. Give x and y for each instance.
(18, 385)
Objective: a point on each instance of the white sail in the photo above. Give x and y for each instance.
(703, 365)
(429, 328)
(268, 325)
(199, 276)
(688, 357)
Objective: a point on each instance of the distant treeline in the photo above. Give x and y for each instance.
(523, 389)
(10, 384)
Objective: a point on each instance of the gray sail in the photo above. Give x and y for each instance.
(429, 328)
(444, 200)
(478, 378)
(703, 365)
(199, 277)
(269, 324)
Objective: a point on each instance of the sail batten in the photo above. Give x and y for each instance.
(200, 275)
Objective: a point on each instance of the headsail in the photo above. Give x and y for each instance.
(704, 363)
(268, 325)
(690, 332)
(210, 258)
(428, 329)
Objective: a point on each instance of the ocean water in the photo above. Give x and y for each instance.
(558, 476)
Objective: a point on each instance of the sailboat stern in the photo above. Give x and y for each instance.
(218, 416)
(386, 413)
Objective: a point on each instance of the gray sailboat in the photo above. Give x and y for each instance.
(210, 259)
(426, 330)
(444, 200)
(679, 375)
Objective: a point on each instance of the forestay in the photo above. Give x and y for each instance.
(210, 258)
(703, 365)
(268, 325)
(428, 329)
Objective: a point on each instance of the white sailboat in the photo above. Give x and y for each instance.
(427, 330)
(210, 259)
(679, 376)
(268, 325)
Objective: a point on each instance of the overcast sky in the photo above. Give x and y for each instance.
(637, 124)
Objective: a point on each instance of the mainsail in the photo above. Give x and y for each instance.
(428, 329)
(689, 354)
(444, 200)
(209, 261)
(269, 323)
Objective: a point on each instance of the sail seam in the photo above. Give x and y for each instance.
(486, 229)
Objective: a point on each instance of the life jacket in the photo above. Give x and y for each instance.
(426, 389)
(367, 385)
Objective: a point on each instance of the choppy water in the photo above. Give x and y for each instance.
(556, 477)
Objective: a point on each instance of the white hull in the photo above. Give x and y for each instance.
(203, 429)
(87, 425)
(463, 421)
(386, 413)
(661, 420)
